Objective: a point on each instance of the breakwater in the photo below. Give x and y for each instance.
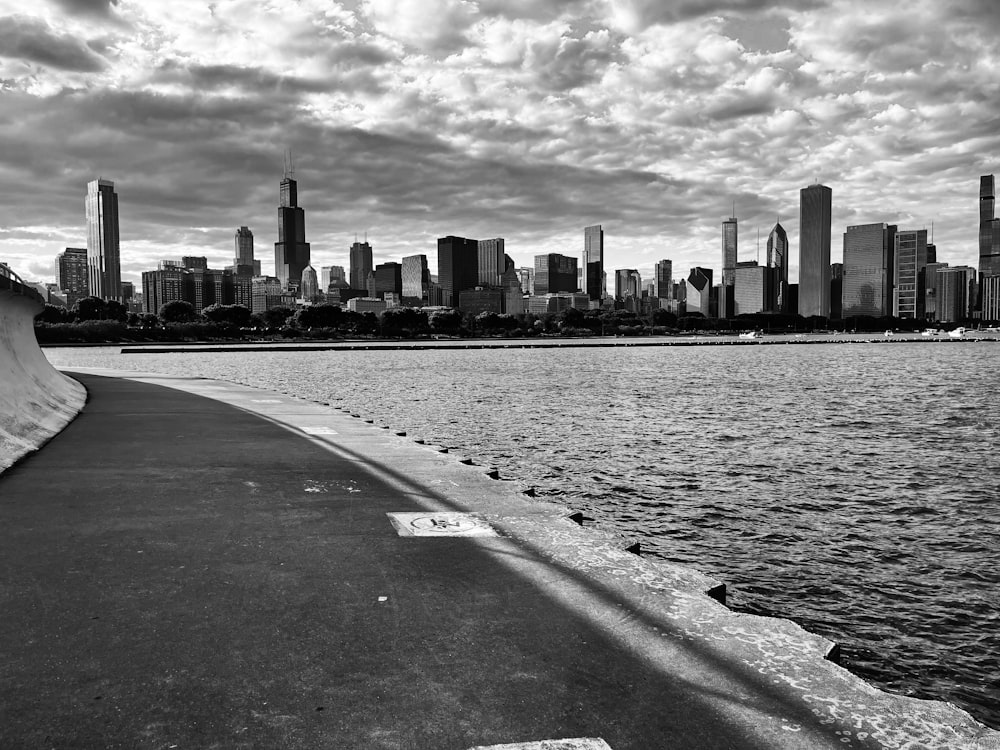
(36, 400)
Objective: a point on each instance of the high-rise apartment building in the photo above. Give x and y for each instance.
(729, 251)
(777, 260)
(416, 278)
(593, 262)
(989, 228)
(361, 264)
(910, 258)
(104, 276)
(291, 251)
(555, 273)
(458, 259)
(815, 216)
(628, 283)
(491, 261)
(868, 270)
(663, 284)
(72, 274)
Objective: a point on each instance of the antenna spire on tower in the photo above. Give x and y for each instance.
(289, 167)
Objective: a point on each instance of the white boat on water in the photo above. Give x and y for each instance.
(751, 335)
(957, 333)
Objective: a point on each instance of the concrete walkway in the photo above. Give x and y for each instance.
(219, 571)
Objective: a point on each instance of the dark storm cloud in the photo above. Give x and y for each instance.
(32, 39)
(87, 7)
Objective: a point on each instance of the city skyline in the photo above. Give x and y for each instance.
(494, 119)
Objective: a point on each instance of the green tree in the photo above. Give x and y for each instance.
(404, 321)
(115, 310)
(91, 308)
(318, 316)
(228, 315)
(276, 317)
(446, 321)
(51, 314)
(177, 311)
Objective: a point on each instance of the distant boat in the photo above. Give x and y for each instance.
(888, 333)
(957, 333)
(751, 335)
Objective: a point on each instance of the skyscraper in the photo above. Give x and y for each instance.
(815, 211)
(104, 277)
(71, 274)
(910, 258)
(593, 261)
(868, 270)
(291, 251)
(698, 290)
(729, 251)
(954, 285)
(663, 286)
(777, 260)
(491, 261)
(244, 252)
(458, 260)
(989, 228)
(416, 278)
(361, 264)
(309, 289)
(555, 273)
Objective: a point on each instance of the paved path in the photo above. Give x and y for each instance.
(178, 572)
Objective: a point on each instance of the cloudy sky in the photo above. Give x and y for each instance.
(529, 120)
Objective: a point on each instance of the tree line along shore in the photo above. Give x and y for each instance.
(94, 321)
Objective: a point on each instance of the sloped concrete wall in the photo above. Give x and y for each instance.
(36, 400)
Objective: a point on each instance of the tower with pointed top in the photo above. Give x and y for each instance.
(291, 251)
(777, 260)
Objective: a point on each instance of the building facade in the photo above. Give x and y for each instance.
(868, 270)
(491, 261)
(955, 286)
(815, 216)
(458, 261)
(752, 288)
(910, 258)
(663, 282)
(360, 264)
(729, 251)
(291, 251)
(104, 276)
(72, 274)
(777, 259)
(698, 291)
(555, 273)
(416, 279)
(388, 280)
(593, 262)
(989, 228)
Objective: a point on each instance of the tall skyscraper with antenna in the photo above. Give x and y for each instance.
(729, 249)
(593, 262)
(104, 275)
(291, 251)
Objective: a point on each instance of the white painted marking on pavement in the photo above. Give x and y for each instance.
(581, 743)
(440, 524)
(318, 430)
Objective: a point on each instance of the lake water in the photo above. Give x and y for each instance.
(852, 488)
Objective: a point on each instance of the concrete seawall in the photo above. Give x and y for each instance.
(36, 400)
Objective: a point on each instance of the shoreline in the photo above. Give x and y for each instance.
(527, 343)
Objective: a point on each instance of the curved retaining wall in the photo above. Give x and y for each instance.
(36, 400)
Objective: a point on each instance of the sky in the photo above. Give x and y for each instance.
(409, 120)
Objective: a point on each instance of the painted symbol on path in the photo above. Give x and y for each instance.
(440, 524)
(266, 400)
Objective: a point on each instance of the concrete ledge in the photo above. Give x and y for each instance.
(36, 401)
(768, 677)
